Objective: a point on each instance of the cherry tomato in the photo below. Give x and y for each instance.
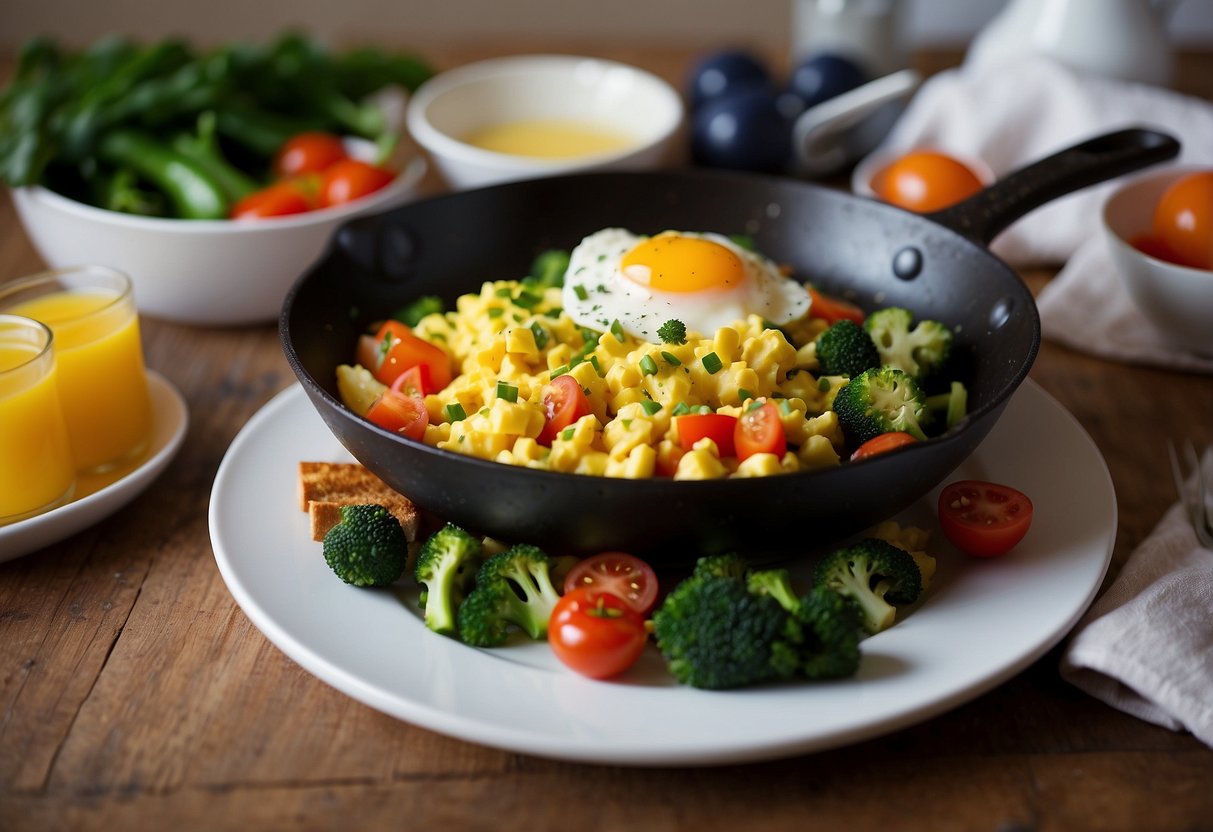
(925, 181)
(311, 152)
(832, 309)
(415, 381)
(983, 519)
(564, 402)
(596, 633)
(718, 427)
(277, 200)
(351, 179)
(1152, 246)
(394, 349)
(759, 431)
(618, 573)
(883, 443)
(1183, 220)
(401, 413)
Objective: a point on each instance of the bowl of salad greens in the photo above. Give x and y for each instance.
(215, 177)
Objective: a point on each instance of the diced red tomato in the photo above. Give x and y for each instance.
(595, 633)
(719, 427)
(351, 179)
(309, 152)
(983, 519)
(564, 402)
(759, 431)
(832, 309)
(882, 443)
(394, 349)
(280, 199)
(401, 413)
(618, 573)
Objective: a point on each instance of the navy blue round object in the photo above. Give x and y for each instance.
(725, 73)
(824, 75)
(743, 131)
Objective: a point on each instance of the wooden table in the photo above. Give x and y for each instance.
(134, 693)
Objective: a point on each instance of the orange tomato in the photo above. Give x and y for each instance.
(925, 181)
(1183, 220)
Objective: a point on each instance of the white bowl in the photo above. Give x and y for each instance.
(1178, 300)
(454, 104)
(204, 272)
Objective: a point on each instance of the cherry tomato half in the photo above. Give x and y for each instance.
(564, 402)
(401, 413)
(924, 181)
(719, 427)
(831, 309)
(983, 519)
(394, 349)
(759, 431)
(415, 381)
(277, 200)
(351, 179)
(618, 573)
(883, 443)
(310, 152)
(595, 633)
(1183, 220)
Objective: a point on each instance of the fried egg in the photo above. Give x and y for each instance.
(704, 280)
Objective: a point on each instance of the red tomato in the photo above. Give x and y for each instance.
(1183, 220)
(719, 427)
(415, 381)
(394, 349)
(833, 309)
(311, 152)
(564, 402)
(983, 519)
(595, 633)
(276, 200)
(351, 179)
(924, 181)
(618, 573)
(401, 413)
(882, 444)
(759, 431)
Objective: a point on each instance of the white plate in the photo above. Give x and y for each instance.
(982, 621)
(170, 419)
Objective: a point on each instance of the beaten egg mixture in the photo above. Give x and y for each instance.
(509, 341)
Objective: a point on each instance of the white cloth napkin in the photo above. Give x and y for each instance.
(1015, 113)
(1144, 647)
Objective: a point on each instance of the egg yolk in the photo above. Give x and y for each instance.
(672, 263)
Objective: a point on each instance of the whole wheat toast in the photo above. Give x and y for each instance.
(324, 487)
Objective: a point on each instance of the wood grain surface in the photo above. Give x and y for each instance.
(134, 693)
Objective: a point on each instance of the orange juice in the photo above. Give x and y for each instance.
(36, 468)
(102, 380)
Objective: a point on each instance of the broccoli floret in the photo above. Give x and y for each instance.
(672, 332)
(412, 313)
(714, 633)
(548, 268)
(723, 566)
(776, 583)
(874, 574)
(879, 401)
(918, 351)
(513, 587)
(368, 547)
(446, 566)
(846, 349)
(832, 628)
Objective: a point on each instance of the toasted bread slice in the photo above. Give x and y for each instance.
(324, 487)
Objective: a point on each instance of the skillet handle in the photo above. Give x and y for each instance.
(983, 217)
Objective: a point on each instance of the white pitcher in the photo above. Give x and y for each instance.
(1124, 39)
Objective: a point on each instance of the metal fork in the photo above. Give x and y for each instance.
(1190, 482)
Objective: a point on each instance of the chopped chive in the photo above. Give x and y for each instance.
(712, 363)
(455, 412)
(596, 365)
(627, 423)
(704, 409)
(503, 292)
(823, 384)
(744, 394)
(617, 330)
(541, 335)
(651, 407)
(785, 407)
(648, 366)
(528, 300)
(507, 391)
(554, 312)
(496, 312)
(561, 370)
(670, 358)
(754, 405)
(581, 293)
(567, 434)
(484, 411)
(680, 409)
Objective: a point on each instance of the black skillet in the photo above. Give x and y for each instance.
(938, 266)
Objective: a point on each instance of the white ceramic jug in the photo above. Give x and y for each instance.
(1124, 39)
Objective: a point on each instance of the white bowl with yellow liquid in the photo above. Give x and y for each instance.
(529, 116)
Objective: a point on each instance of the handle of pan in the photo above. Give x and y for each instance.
(984, 216)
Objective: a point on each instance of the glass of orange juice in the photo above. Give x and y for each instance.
(36, 468)
(99, 356)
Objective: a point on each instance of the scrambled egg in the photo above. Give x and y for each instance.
(510, 340)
